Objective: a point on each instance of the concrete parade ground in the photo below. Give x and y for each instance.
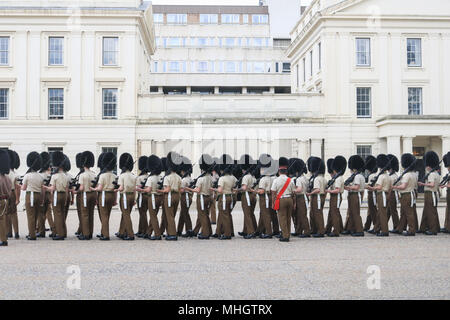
(329, 268)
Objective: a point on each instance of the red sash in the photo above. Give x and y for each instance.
(276, 205)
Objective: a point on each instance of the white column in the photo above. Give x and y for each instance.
(145, 148)
(316, 147)
(73, 110)
(244, 90)
(34, 79)
(393, 146)
(407, 144)
(160, 152)
(196, 154)
(302, 149)
(188, 90)
(445, 145)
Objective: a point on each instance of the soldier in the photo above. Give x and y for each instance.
(222, 163)
(88, 198)
(94, 184)
(185, 200)
(59, 189)
(372, 214)
(203, 189)
(45, 212)
(14, 200)
(155, 199)
(283, 198)
(70, 194)
(407, 194)
(430, 218)
(393, 197)
(78, 195)
(248, 199)
(302, 229)
(329, 168)
(382, 185)
(215, 178)
(127, 190)
(32, 184)
(317, 196)
(142, 201)
(163, 224)
(106, 188)
(5, 194)
(355, 185)
(336, 189)
(446, 184)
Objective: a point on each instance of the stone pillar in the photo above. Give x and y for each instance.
(216, 90)
(196, 154)
(145, 148)
(316, 148)
(445, 145)
(160, 90)
(160, 150)
(407, 144)
(188, 90)
(393, 146)
(303, 149)
(244, 90)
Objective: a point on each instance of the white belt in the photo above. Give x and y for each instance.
(267, 200)
(187, 199)
(169, 199)
(248, 198)
(103, 198)
(306, 200)
(85, 199)
(55, 198)
(153, 201)
(202, 202)
(125, 207)
(384, 199)
(359, 197)
(139, 202)
(397, 202)
(319, 202)
(224, 202)
(412, 199)
(32, 198)
(435, 199)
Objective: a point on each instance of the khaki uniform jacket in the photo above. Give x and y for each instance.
(173, 181)
(227, 182)
(106, 180)
(60, 181)
(435, 178)
(152, 182)
(205, 184)
(127, 180)
(33, 181)
(279, 183)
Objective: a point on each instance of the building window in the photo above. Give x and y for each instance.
(155, 66)
(114, 151)
(286, 67)
(319, 60)
(54, 149)
(363, 102)
(304, 70)
(297, 75)
(414, 52)
(158, 18)
(175, 42)
(110, 51)
(364, 150)
(311, 63)
(55, 51)
(245, 18)
(415, 102)
(229, 42)
(258, 67)
(209, 19)
(4, 51)
(55, 104)
(177, 18)
(230, 18)
(260, 19)
(177, 66)
(110, 101)
(363, 52)
(4, 103)
(202, 66)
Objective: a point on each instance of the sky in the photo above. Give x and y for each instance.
(215, 2)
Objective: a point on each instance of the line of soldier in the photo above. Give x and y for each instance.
(285, 189)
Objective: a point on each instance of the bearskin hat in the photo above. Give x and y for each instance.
(142, 163)
(46, 161)
(330, 165)
(431, 159)
(356, 162)
(371, 164)
(308, 163)
(226, 163)
(272, 169)
(126, 162)
(206, 163)
(16, 160)
(164, 164)
(154, 165)
(34, 161)
(339, 164)
(5, 162)
(382, 161)
(173, 161)
(283, 163)
(407, 160)
(246, 161)
(87, 159)
(265, 160)
(12, 159)
(237, 170)
(109, 161)
(447, 160)
(322, 168)
(394, 163)
(100, 161)
(186, 165)
(78, 160)
(66, 165)
(315, 163)
(216, 167)
(57, 159)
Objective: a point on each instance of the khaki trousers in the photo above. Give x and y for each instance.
(430, 217)
(58, 212)
(203, 214)
(224, 222)
(335, 218)
(12, 221)
(447, 212)
(185, 218)
(142, 208)
(44, 213)
(153, 225)
(105, 211)
(284, 216)
(3, 212)
(171, 211)
(354, 221)
(301, 211)
(392, 209)
(317, 213)
(33, 211)
(66, 211)
(382, 219)
(212, 209)
(87, 213)
(249, 212)
(372, 213)
(126, 213)
(407, 214)
(266, 214)
(78, 203)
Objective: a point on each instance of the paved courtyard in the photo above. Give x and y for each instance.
(330, 268)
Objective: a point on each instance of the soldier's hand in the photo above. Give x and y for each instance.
(17, 201)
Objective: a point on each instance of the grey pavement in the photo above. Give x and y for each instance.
(330, 268)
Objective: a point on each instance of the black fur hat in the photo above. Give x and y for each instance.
(186, 165)
(265, 160)
(237, 170)
(66, 165)
(447, 160)
(339, 164)
(246, 161)
(330, 165)
(164, 164)
(174, 161)
(109, 161)
(283, 163)
(126, 162)
(226, 163)
(57, 159)
(356, 162)
(34, 161)
(315, 163)
(308, 163)
(46, 161)
(100, 161)
(382, 161)
(142, 163)
(407, 160)
(154, 165)
(394, 163)
(11, 159)
(16, 160)
(371, 164)
(206, 163)
(78, 160)
(322, 167)
(5, 162)
(87, 159)
(431, 159)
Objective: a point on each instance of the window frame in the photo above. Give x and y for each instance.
(56, 105)
(117, 51)
(359, 116)
(49, 52)
(183, 19)
(7, 51)
(368, 52)
(155, 21)
(209, 20)
(419, 89)
(259, 19)
(364, 154)
(114, 117)
(7, 90)
(420, 54)
(232, 15)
